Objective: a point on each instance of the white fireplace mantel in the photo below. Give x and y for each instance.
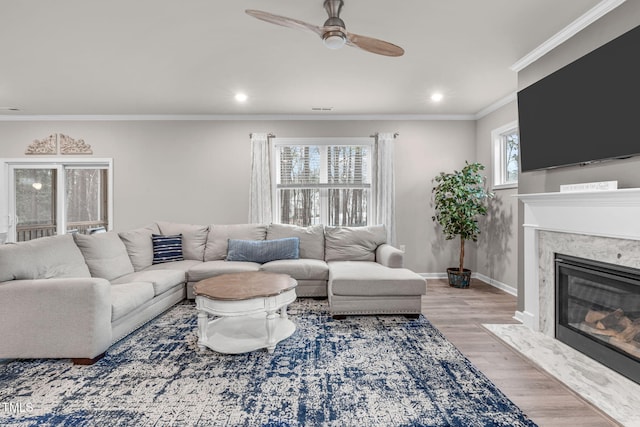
(614, 214)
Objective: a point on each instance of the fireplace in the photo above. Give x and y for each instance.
(598, 312)
(599, 225)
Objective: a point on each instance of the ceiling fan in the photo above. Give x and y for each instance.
(333, 32)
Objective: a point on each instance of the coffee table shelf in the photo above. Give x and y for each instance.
(248, 333)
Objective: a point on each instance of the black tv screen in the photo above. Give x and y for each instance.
(586, 111)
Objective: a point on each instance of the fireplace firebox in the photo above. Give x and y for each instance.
(598, 312)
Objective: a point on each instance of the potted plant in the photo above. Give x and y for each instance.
(459, 198)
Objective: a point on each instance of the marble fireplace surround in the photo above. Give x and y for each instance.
(600, 225)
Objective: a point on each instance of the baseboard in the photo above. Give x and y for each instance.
(526, 319)
(495, 283)
(434, 275)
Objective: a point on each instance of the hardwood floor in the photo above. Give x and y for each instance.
(459, 315)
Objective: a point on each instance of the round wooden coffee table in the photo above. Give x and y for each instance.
(244, 306)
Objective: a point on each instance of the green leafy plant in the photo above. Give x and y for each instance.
(459, 198)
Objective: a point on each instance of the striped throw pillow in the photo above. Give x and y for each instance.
(167, 248)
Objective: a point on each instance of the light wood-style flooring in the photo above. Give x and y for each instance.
(459, 315)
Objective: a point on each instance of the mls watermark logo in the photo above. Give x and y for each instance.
(16, 408)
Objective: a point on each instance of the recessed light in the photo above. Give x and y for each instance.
(241, 97)
(437, 97)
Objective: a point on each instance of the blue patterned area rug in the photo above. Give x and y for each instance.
(362, 371)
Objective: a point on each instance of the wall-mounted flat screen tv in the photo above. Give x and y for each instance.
(586, 111)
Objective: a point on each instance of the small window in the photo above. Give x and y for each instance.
(506, 156)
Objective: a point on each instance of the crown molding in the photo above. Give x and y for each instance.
(235, 117)
(496, 105)
(597, 12)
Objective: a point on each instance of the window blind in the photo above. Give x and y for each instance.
(337, 166)
(323, 181)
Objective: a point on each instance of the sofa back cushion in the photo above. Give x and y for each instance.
(44, 258)
(105, 254)
(311, 238)
(353, 243)
(262, 251)
(219, 235)
(194, 238)
(139, 245)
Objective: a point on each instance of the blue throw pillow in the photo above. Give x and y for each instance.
(262, 251)
(167, 248)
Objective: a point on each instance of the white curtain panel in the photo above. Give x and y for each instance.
(384, 191)
(260, 191)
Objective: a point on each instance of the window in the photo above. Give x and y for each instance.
(323, 181)
(54, 196)
(506, 156)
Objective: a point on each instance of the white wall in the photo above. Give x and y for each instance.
(198, 171)
(497, 254)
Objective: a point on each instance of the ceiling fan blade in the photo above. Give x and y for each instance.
(372, 45)
(284, 21)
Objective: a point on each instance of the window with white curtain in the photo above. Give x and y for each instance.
(323, 181)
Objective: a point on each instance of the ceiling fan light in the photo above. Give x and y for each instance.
(334, 39)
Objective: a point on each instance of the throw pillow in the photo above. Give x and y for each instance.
(167, 248)
(262, 251)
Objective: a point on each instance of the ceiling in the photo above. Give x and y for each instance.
(169, 57)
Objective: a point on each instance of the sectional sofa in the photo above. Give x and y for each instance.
(73, 296)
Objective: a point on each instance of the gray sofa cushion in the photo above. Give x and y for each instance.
(127, 297)
(373, 279)
(139, 246)
(262, 251)
(311, 238)
(162, 280)
(194, 238)
(299, 269)
(353, 243)
(105, 254)
(219, 235)
(214, 268)
(44, 258)
(176, 265)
